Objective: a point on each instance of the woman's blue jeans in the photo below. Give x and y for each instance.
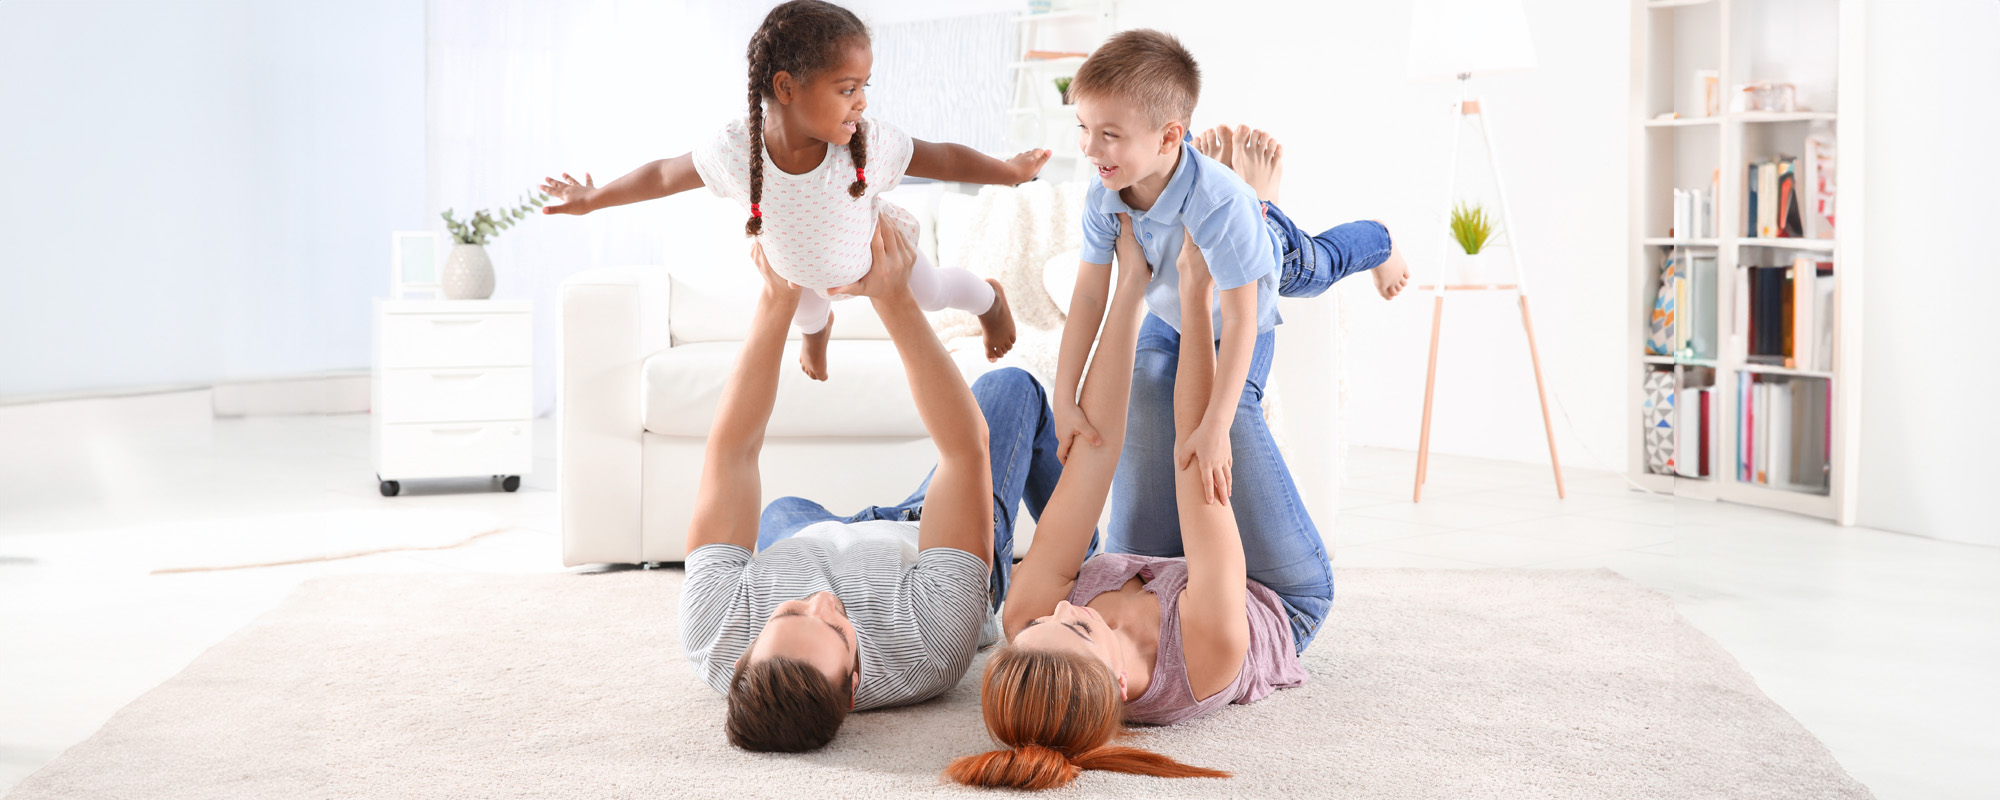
(1021, 439)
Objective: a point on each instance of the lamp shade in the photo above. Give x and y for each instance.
(1449, 38)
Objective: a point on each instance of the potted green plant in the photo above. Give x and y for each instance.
(1062, 87)
(468, 272)
(1472, 229)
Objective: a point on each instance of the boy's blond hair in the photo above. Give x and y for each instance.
(1146, 67)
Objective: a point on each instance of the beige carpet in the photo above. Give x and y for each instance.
(1427, 684)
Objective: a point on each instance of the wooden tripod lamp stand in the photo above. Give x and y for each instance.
(1460, 39)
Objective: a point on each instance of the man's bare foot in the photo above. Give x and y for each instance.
(998, 324)
(1393, 275)
(1260, 160)
(1214, 143)
(812, 350)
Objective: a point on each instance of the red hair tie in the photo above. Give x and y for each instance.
(754, 212)
(859, 176)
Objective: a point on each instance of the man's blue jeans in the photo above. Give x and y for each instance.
(1313, 263)
(1020, 435)
(1281, 547)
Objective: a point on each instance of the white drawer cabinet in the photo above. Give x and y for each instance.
(453, 390)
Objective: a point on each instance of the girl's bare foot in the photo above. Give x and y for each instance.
(1260, 160)
(812, 350)
(998, 324)
(1214, 143)
(1393, 275)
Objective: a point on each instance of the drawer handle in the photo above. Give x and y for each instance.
(457, 431)
(456, 376)
(445, 321)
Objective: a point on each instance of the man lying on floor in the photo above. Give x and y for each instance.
(884, 608)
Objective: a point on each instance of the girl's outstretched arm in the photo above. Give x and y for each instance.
(650, 182)
(961, 164)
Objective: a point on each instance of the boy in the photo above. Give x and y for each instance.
(1134, 97)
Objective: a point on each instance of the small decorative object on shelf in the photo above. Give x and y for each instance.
(1062, 87)
(1767, 97)
(1708, 87)
(468, 272)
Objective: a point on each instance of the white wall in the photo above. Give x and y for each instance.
(200, 190)
(1928, 438)
(1363, 142)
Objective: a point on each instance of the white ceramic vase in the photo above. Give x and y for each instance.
(468, 273)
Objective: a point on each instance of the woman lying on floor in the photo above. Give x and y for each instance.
(1125, 638)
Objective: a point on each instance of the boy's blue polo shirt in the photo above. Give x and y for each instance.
(1219, 210)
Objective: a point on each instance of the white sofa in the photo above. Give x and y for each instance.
(645, 352)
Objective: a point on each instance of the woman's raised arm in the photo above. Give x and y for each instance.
(1215, 628)
(1062, 535)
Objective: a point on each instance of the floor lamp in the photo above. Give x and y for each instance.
(1461, 39)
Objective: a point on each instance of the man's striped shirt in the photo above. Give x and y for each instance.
(918, 615)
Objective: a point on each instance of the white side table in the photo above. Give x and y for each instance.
(453, 390)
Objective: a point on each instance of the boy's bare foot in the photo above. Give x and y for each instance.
(998, 324)
(1260, 160)
(1214, 143)
(1393, 275)
(812, 350)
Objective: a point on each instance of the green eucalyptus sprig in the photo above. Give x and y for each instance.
(1471, 227)
(1062, 85)
(486, 224)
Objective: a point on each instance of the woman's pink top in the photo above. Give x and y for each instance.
(1271, 663)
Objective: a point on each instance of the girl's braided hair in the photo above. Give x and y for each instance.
(801, 37)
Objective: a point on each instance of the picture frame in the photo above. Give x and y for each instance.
(416, 263)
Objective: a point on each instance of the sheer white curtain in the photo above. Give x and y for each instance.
(521, 89)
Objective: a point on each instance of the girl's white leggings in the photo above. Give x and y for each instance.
(936, 289)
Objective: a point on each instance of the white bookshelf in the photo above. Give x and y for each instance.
(1036, 114)
(1816, 46)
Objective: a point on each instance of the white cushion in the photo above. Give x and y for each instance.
(868, 394)
(714, 303)
(1059, 277)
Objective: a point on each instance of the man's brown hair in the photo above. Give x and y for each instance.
(783, 705)
(1146, 67)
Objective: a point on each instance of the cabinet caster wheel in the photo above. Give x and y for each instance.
(390, 488)
(511, 482)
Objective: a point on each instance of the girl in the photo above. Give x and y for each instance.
(1123, 638)
(808, 169)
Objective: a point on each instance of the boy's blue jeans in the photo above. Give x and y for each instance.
(1313, 263)
(1281, 546)
(1021, 439)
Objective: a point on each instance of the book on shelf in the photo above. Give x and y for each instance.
(1699, 309)
(1785, 315)
(1823, 317)
(1784, 431)
(1812, 315)
(1694, 212)
(1771, 199)
(1691, 424)
(1816, 193)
